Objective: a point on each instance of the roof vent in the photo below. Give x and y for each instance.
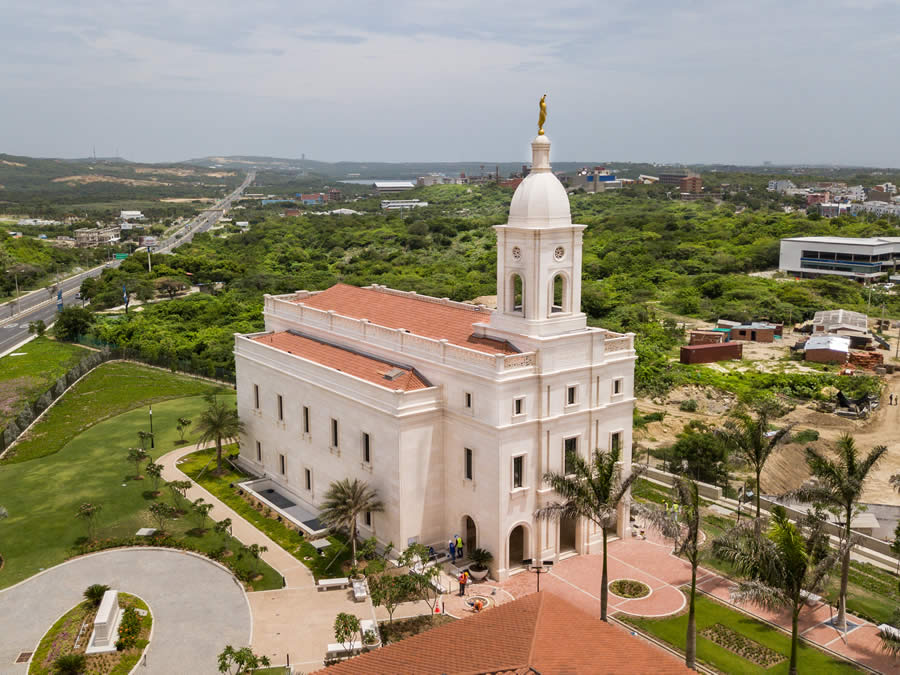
(394, 374)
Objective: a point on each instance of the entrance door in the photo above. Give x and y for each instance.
(469, 534)
(518, 546)
(567, 535)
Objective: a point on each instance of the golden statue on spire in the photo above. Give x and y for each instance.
(543, 116)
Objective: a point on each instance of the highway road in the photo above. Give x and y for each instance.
(41, 304)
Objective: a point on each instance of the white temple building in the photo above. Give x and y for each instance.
(451, 411)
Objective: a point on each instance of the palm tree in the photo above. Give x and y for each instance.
(778, 564)
(839, 486)
(895, 481)
(344, 501)
(219, 423)
(686, 533)
(753, 441)
(592, 491)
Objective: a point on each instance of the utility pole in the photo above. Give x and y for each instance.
(149, 262)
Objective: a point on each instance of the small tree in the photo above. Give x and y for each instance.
(179, 490)
(255, 551)
(70, 664)
(37, 327)
(201, 512)
(71, 322)
(154, 470)
(422, 578)
(88, 513)
(223, 527)
(389, 590)
(234, 661)
(183, 424)
(137, 456)
(143, 437)
(162, 513)
(94, 593)
(346, 628)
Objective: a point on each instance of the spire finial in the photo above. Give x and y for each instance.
(543, 115)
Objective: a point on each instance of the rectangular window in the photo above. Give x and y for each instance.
(368, 519)
(518, 471)
(615, 441)
(258, 452)
(518, 406)
(468, 401)
(256, 396)
(334, 433)
(280, 408)
(468, 458)
(367, 445)
(617, 386)
(308, 477)
(281, 463)
(305, 419)
(570, 451)
(570, 395)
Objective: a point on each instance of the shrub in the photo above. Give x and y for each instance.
(70, 664)
(805, 436)
(690, 405)
(94, 593)
(129, 629)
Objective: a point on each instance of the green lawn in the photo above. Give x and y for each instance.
(323, 566)
(24, 378)
(110, 389)
(42, 495)
(673, 629)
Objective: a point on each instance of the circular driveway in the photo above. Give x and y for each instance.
(197, 606)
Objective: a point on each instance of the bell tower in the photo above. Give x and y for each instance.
(539, 257)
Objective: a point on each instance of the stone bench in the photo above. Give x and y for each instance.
(360, 590)
(328, 584)
(339, 648)
(810, 598)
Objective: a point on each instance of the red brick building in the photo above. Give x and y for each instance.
(691, 184)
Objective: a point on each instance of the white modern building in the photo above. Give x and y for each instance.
(385, 186)
(452, 412)
(860, 258)
(400, 204)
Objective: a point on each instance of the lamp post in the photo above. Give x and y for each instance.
(152, 445)
(538, 567)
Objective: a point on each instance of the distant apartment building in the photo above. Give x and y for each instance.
(781, 186)
(875, 195)
(88, 237)
(691, 184)
(595, 179)
(675, 176)
(860, 258)
(877, 208)
(818, 198)
(312, 199)
(131, 215)
(386, 186)
(889, 188)
(400, 204)
(833, 209)
(334, 195)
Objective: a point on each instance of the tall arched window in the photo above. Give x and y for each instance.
(559, 300)
(517, 294)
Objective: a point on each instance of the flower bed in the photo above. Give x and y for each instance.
(741, 645)
(629, 588)
(60, 640)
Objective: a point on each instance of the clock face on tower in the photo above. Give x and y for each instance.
(559, 253)
(516, 253)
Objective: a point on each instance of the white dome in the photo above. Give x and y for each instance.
(540, 200)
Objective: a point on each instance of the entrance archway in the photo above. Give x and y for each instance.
(469, 534)
(567, 535)
(518, 546)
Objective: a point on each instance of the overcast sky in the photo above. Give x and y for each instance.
(404, 80)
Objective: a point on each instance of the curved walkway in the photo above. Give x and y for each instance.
(197, 606)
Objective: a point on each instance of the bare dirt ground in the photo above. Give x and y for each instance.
(185, 200)
(786, 468)
(8, 163)
(84, 179)
(183, 172)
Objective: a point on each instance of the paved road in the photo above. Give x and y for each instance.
(41, 304)
(197, 606)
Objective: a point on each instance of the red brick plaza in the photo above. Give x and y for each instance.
(578, 580)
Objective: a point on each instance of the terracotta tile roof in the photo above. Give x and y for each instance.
(369, 368)
(539, 633)
(417, 315)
